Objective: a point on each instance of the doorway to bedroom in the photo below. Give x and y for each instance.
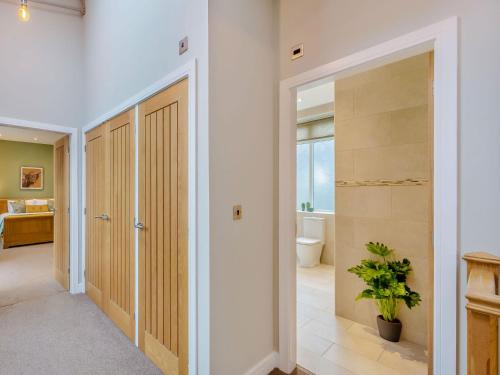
(34, 214)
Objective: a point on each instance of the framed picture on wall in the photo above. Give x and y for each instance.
(31, 178)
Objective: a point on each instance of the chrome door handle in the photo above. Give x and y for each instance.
(102, 217)
(139, 226)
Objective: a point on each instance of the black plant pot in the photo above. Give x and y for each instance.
(390, 331)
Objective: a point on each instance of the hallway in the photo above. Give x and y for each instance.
(46, 330)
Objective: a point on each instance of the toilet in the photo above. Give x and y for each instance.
(310, 246)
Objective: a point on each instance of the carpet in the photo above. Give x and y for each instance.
(65, 334)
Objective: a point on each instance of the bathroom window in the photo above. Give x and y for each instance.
(315, 174)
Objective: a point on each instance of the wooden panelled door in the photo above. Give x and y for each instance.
(97, 218)
(120, 265)
(61, 214)
(110, 277)
(163, 271)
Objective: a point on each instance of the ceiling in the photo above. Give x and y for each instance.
(315, 96)
(10, 133)
(76, 7)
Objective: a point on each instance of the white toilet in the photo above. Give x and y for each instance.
(310, 246)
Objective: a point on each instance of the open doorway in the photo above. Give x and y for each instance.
(364, 182)
(34, 214)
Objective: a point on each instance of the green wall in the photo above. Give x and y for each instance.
(13, 155)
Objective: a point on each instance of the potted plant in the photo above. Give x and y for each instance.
(309, 207)
(386, 281)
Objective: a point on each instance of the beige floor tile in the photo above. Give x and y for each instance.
(343, 338)
(312, 342)
(319, 365)
(357, 363)
(404, 363)
(302, 320)
(329, 344)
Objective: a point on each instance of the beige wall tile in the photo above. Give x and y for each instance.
(411, 202)
(419, 63)
(410, 161)
(401, 91)
(372, 201)
(409, 239)
(373, 163)
(409, 125)
(364, 132)
(344, 232)
(392, 163)
(344, 104)
(382, 133)
(344, 165)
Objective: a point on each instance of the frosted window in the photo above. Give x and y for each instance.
(315, 175)
(323, 182)
(303, 174)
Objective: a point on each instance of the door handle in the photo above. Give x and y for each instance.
(102, 217)
(139, 226)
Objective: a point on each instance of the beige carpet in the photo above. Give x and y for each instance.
(26, 274)
(47, 331)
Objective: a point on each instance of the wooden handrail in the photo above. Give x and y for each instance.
(483, 311)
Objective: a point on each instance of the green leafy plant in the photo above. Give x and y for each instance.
(386, 281)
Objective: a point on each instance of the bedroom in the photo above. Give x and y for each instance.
(33, 226)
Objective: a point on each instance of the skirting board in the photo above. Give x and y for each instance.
(79, 289)
(265, 366)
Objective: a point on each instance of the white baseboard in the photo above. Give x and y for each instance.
(80, 288)
(265, 366)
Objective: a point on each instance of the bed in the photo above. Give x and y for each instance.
(25, 228)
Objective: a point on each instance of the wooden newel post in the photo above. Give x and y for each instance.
(483, 311)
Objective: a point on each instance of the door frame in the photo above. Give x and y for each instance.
(74, 264)
(188, 71)
(442, 38)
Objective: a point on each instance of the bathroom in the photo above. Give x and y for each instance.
(363, 175)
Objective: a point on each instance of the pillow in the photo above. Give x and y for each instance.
(50, 203)
(37, 208)
(16, 207)
(36, 202)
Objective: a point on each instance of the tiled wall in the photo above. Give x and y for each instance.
(383, 136)
(327, 256)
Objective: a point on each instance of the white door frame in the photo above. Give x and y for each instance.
(186, 71)
(442, 37)
(73, 188)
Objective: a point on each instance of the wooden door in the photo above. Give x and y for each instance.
(61, 214)
(120, 265)
(163, 272)
(97, 223)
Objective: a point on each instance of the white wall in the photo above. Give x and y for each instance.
(41, 66)
(129, 46)
(243, 97)
(333, 29)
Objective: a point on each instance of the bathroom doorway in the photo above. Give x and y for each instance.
(364, 156)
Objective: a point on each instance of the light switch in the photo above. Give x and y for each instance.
(237, 212)
(183, 45)
(297, 51)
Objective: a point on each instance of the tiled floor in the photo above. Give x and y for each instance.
(336, 346)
